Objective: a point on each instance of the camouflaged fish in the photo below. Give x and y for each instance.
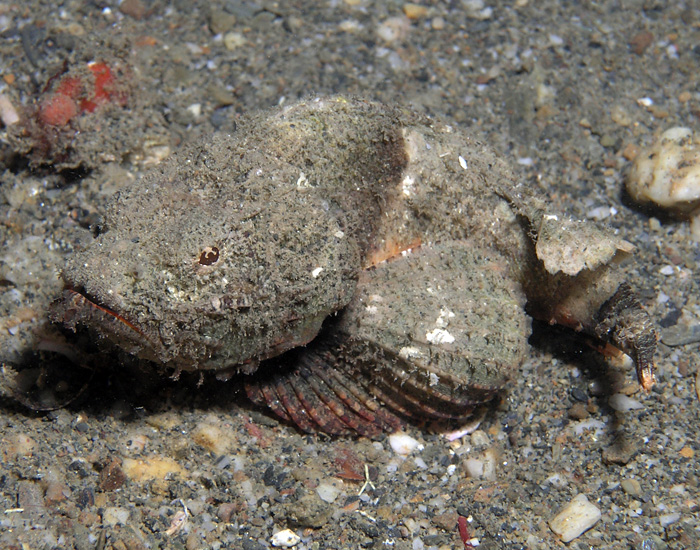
(354, 261)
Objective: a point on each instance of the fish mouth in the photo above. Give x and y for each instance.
(78, 308)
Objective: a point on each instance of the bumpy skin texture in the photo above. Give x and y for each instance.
(238, 249)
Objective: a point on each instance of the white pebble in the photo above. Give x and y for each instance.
(576, 517)
(394, 29)
(404, 444)
(8, 114)
(555, 40)
(195, 109)
(621, 402)
(589, 424)
(328, 492)
(668, 519)
(115, 515)
(474, 467)
(600, 212)
(285, 539)
(233, 40)
(420, 463)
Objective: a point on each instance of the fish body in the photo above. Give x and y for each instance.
(346, 253)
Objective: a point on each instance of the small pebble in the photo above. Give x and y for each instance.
(394, 29)
(687, 452)
(681, 335)
(631, 487)
(578, 411)
(8, 114)
(328, 492)
(213, 438)
(233, 40)
(415, 11)
(133, 8)
(404, 444)
(668, 519)
(285, 539)
(156, 467)
(577, 517)
(480, 438)
(621, 451)
(641, 41)
(622, 403)
(221, 21)
(438, 23)
(115, 515)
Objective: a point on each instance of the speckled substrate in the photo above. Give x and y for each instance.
(566, 92)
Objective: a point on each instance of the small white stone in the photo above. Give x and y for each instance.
(434, 379)
(555, 40)
(668, 519)
(302, 181)
(195, 109)
(329, 491)
(316, 272)
(115, 515)
(577, 517)
(439, 336)
(410, 352)
(621, 402)
(599, 213)
(407, 185)
(463, 162)
(474, 467)
(403, 444)
(8, 114)
(394, 29)
(285, 539)
(233, 40)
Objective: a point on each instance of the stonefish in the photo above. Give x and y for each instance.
(347, 255)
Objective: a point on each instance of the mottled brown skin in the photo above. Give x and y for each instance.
(347, 254)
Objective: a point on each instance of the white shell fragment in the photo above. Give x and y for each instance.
(404, 444)
(621, 402)
(577, 517)
(570, 246)
(668, 174)
(8, 114)
(285, 539)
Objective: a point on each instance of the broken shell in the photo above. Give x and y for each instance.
(668, 175)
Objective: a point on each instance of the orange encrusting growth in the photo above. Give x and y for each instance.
(390, 249)
(75, 95)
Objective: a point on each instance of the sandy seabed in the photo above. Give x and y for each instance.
(567, 92)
